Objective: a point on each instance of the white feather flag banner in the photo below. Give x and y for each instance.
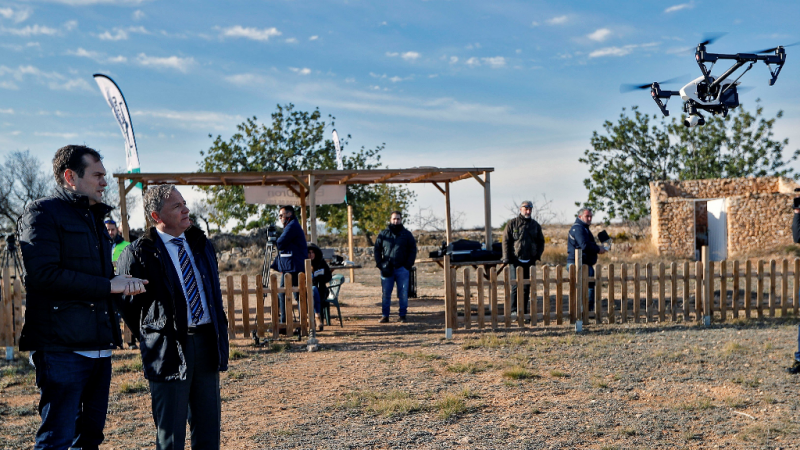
(339, 164)
(119, 108)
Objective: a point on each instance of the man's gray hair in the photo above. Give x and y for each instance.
(583, 210)
(155, 197)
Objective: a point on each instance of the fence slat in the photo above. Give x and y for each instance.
(534, 300)
(637, 294)
(772, 289)
(662, 293)
(598, 293)
(673, 293)
(686, 292)
(796, 287)
(479, 274)
(611, 295)
(245, 307)
(748, 283)
(649, 290)
(260, 328)
(274, 308)
(467, 300)
(231, 308)
(572, 272)
(288, 300)
(760, 292)
(493, 294)
(623, 303)
(559, 294)
(784, 286)
(507, 294)
(302, 304)
(735, 296)
(585, 289)
(6, 309)
(545, 293)
(723, 290)
(698, 291)
(520, 295)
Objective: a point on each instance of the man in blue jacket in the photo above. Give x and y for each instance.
(292, 253)
(581, 238)
(180, 322)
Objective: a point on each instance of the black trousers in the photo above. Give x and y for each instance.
(526, 275)
(195, 399)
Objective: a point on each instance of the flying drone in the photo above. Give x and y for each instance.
(714, 94)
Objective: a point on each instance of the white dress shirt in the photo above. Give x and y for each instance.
(176, 262)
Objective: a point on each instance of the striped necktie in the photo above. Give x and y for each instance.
(189, 282)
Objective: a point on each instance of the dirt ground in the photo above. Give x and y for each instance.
(674, 385)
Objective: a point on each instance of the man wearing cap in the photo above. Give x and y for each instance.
(116, 237)
(523, 245)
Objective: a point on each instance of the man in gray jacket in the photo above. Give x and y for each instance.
(523, 245)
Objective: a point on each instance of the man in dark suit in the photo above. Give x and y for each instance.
(292, 254)
(70, 319)
(180, 321)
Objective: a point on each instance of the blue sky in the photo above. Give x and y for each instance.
(518, 86)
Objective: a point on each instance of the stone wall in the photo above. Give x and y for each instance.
(759, 213)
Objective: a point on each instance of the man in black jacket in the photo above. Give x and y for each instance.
(180, 321)
(523, 245)
(795, 368)
(581, 238)
(395, 252)
(70, 318)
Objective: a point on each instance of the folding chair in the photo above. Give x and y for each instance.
(333, 299)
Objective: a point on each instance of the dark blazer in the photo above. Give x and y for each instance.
(66, 253)
(580, 237)
(159, 316)
(292, 249)
(396, 248)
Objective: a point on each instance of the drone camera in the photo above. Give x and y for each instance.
(693, 121)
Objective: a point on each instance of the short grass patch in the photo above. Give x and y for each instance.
(519, 373)
(132, 387)
(749, 382)
(235, 354)
(451, 405)
(700, 404)
(555, 373)
(389, 404)
(733, 348)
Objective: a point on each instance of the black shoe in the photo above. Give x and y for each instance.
(795, 369)
(384, 319)
(402, 319)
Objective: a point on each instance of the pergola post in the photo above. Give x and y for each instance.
(350, 240)
(123, 210)
(487, 209)
(312, 208)
(303, 216)
(448, 226)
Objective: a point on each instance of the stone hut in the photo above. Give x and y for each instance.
(731, 216)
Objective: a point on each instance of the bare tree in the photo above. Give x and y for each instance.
(21, 182)
(205, 211)
(426, 219)
(111, 196)
(542, 210)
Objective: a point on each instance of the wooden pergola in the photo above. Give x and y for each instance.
(300, 182)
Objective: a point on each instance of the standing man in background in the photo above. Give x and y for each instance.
(581, 238)
(180, 320)
(70, 317)
(395, 252)
(118, 243)
(292, 254)
(523, 245)
(795, 368)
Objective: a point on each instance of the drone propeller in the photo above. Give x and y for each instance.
(710, 38)
(770, 50)
(623, 88)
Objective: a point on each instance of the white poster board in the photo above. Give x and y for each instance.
(281, 195)
(717, 230)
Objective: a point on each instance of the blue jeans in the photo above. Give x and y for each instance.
(74, 399)
(400, 277)
(591, 287)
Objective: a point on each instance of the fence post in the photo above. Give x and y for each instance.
(573, 292)
(623, 304)
(448, 327)
(579, 291)
(637, 293)
(312, 344)
(674, 292)
(772, 290)
(467, 300)
(735, 296)
(559, 294)
(520, 298)
(708, 278)
(231, 308)
(662, 288)
(545, 293)
(480, 275)
(748, 284)
(274, 311)
(493, 294)
(723, 290)
(260, 329)
(245, 306)
(686, 292)
(611, 294)
(784, 286)
(507, 294)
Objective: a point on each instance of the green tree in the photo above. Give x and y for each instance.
(294, 140)
(634, 151)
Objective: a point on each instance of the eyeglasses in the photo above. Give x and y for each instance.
(527, 207)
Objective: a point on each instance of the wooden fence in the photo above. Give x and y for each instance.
(700, 291)
(13, 297)
(260, 317)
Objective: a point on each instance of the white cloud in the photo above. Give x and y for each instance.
(410, 56)
(600, 35)
(70, 85)
(10, 85)
(495, 61)
(291, 41)
(391, 54)
(350, 80)
(19, 15)
(99, 57)
(534, 24)
(193, 119)
(245, 79)
(98, 2)
(679, 7)
(472, 62)
(313, 38)
(255, 34)
(20, 47)
(119, 35)
(70, 25)
(560, 20)
(611, 51)
(7, 111)
(117, 59)
(453, 59)
(138, 15)
(303, 71)
(30, 30)
(170, 62)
